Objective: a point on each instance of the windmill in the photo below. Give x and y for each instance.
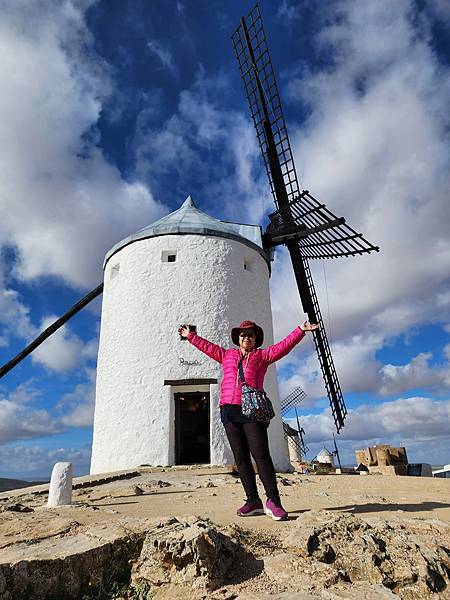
(294, 436)
(302, 223)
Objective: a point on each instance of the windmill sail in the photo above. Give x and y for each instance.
(294, 399)
(336, 452)
(306, 226)
(295, 207)
(301, 432)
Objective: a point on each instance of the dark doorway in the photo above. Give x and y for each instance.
(192, 428)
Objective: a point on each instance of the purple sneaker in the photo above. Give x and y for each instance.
(275, 511)
(251, 508)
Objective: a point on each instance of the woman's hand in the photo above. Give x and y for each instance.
(183, 330)
(307, 326)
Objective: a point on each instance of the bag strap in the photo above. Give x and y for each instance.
(241, 372)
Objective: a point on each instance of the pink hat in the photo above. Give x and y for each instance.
(259, 333)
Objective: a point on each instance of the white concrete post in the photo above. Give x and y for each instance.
(60, 491)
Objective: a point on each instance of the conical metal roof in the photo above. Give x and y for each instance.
(189, 219)
(324, 453)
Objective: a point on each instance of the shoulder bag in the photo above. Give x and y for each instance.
(256, 404)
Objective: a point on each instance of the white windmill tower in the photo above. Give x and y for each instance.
(157, 397)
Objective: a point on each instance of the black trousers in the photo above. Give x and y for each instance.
(250, 440)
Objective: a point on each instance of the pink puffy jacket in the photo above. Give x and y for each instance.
(255, 365)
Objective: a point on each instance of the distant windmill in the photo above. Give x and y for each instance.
(294, 436)
(303, 224)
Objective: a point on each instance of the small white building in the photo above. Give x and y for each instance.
(444, 472)
(157, 396)
(325, 457)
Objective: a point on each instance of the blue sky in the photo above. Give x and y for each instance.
(112, 112)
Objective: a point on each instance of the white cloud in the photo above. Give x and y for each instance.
(14, 314)
(404, 417)
(374, 149)
(63, 204)
(354, 360)
(288, 12)
(62, 351)
(20, 420)
(201, 124)
(416, 374)
(359, 370)
(36, 462)
(422, 424)
(163, 54)
(78, 406)
(21, 417)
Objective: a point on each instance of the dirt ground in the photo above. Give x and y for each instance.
(29, 530)
(215, 494)
(189, 493)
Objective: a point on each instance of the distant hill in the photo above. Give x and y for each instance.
(15, 484)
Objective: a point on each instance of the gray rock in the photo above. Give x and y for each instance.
(281, 596)
(299, 574)
(159, 483)
(70, 566)
(404, 558)
(285, 482)
(358, 591)
(16, 507)
(189, 553)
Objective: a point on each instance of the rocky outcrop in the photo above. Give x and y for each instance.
(408, 558)
(323, 554)
(68, 567)
(192, 553)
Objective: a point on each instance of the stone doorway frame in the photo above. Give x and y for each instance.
(203, 386)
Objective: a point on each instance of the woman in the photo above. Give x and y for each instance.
(246, 436)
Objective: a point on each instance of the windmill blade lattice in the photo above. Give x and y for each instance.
(294, 436)
(294, 399)
(303, 447)
(338, 239)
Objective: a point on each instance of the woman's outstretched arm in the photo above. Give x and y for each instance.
(212, 350)
(277, 351)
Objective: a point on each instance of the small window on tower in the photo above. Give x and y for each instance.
(169, 256)
(114, 271)
(247, 265)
